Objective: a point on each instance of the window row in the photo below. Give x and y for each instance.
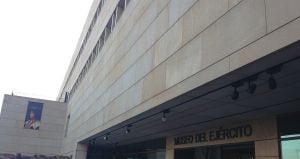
(101, 4)
(104, 36)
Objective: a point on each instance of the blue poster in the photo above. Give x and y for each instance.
(33, 115)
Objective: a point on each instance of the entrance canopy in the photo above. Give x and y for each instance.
(267, 87)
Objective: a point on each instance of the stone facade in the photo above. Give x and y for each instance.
(161, 49)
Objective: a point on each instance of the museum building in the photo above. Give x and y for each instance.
(171, 79)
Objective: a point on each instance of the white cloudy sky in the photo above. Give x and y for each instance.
(37, 40)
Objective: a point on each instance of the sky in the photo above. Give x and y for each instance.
(37, 41)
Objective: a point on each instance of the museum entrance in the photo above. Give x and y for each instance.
(236, 151)
(152, 149)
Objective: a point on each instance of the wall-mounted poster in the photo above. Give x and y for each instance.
(33, 115)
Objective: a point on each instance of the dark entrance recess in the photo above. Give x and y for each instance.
(152, 149)
(237, 151)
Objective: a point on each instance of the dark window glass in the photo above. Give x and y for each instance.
(67, 125)
(242, 151)
(239, 151)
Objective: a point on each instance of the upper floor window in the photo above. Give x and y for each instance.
(67, 125)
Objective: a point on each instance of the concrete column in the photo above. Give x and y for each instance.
(81, 151)
(266, 149)
(268, 145)
(169, 148)
(170, 154)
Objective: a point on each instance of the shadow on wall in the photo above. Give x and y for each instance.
(20, 156)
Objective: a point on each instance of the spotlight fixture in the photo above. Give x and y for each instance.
(164, 118)
(272, 81)
(251, 88)
(128, 129)
(235, 95)
(105, 137)
(251, 85)
(92, 142)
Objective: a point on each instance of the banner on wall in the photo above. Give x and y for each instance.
(33, 115)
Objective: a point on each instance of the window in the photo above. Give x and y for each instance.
(289, 130)
(118, 13)
(66, 97)
(104, 36)
(67, 126)
(236, 151)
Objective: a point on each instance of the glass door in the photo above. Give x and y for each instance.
(143, 155)
(289, 130)
(153, 149)
(237, 151)
(290, 147)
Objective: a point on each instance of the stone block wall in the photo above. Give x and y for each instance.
(161, 49)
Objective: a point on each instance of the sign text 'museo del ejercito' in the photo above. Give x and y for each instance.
(215, 135)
